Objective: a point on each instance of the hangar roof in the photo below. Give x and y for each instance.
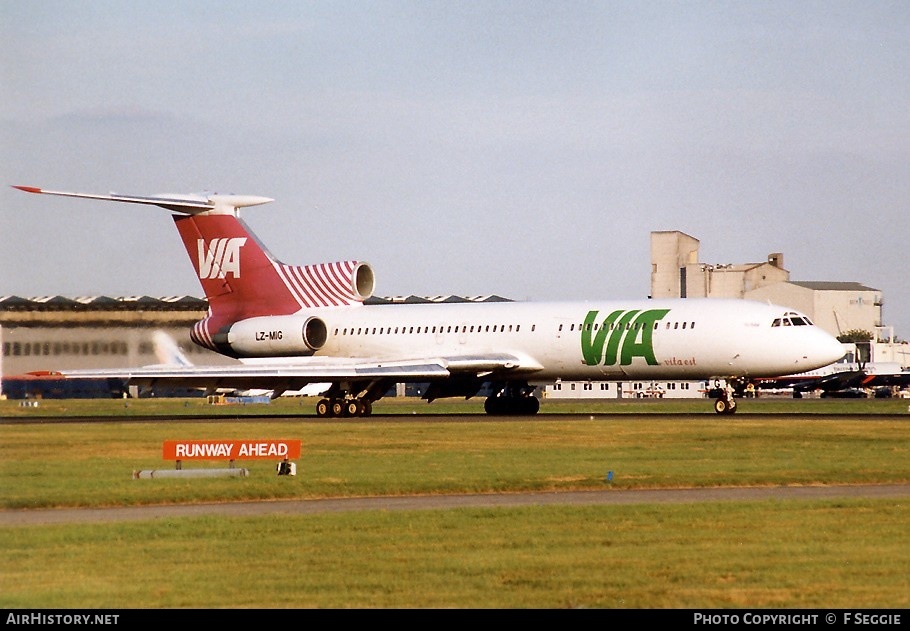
(180, 303)
(102, 303)
(824, 285)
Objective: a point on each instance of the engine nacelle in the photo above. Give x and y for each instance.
(271, 336)
(364, 281)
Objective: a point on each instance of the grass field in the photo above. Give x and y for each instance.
(757, 554)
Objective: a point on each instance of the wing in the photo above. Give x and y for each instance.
(900, 379)
(840, 380)
(294, 375)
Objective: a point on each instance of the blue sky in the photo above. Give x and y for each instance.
(525, 149)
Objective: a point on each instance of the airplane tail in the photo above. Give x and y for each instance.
(239, 277)
(238, 274)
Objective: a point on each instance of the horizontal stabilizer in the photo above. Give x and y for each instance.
(189, 204)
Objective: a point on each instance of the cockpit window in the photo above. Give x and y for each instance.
(791, 318)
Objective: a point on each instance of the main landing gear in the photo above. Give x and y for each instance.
(343, 407)
(350, 399)
(511, 399)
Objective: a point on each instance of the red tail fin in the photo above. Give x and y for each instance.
(242, 280)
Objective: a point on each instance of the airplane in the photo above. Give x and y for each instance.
(841, 376)
(295, 325)
(168, 351)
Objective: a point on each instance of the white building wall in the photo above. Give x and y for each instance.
(625, 390)
(851, 310)
(27, 349)
(788, 295)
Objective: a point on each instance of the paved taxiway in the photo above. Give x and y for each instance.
(427, 502)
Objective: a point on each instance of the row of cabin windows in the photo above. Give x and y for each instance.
(402, 330)
(495, 328)
(593, 326)
(589, 326)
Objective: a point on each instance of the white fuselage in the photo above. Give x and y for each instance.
(652, 339)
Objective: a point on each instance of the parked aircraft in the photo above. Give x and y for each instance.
(168, 351)
(295, 325)
(841, 376)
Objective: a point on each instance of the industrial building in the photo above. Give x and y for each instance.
(836, 307)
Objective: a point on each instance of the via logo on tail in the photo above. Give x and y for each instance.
(221, 258)
(622, 335)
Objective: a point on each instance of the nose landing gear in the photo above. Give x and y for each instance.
(725, 403)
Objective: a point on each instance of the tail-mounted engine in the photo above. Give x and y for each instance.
(267, 336)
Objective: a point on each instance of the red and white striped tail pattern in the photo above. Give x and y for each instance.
(322, 285)
(201, 336)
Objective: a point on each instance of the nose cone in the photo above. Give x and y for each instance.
(824, 350)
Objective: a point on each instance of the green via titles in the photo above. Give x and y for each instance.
(625, 334)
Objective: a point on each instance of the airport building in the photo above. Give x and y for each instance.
(58, 333)
(837, 307)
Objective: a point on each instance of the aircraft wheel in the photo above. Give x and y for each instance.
(337, 408)
(492, 406)
(531, 405)
(353, 408)
(731, 406)
(367, 408)
(720, 405)
(323, 408)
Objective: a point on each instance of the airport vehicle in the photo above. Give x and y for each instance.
(295, 325)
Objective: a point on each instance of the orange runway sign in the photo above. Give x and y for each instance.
(231, 449)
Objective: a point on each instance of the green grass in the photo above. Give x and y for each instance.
(92, 463)
(755, 554)
(849, 554)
